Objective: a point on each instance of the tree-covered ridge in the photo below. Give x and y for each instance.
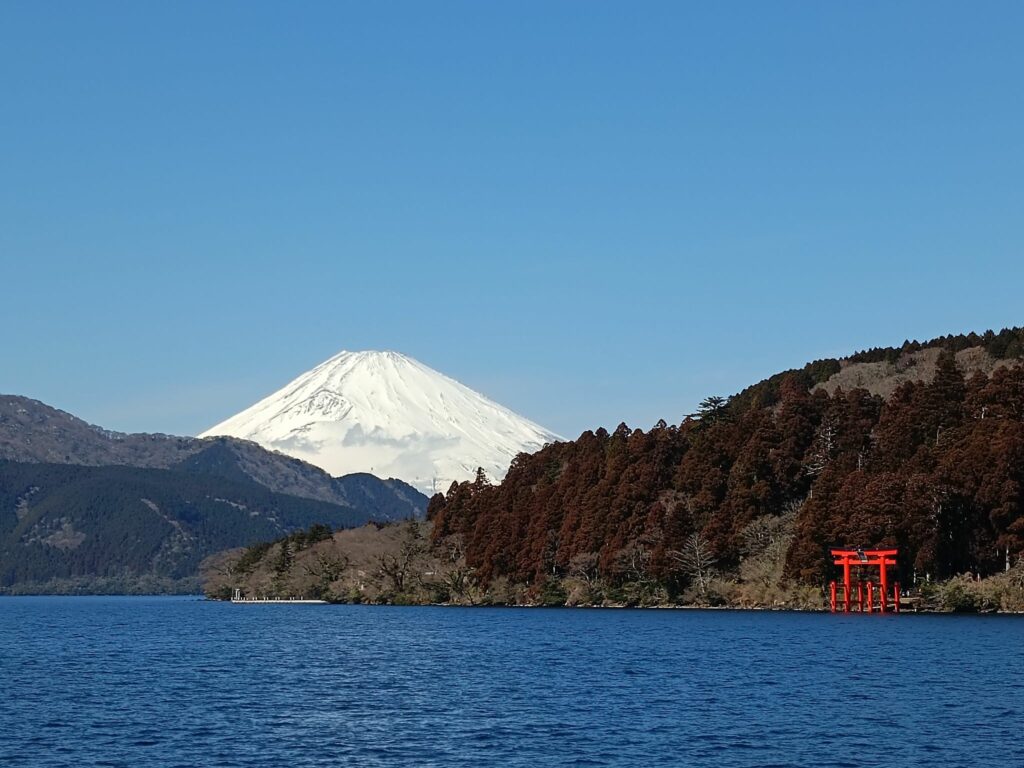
(937, 471)
(1006, 345)
(392, 563)
(31, 431)
(76, 525)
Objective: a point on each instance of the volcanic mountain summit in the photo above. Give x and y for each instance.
(385, 413)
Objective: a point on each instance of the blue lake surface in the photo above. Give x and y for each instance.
(109, 681)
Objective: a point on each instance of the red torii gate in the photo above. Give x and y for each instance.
(853, 558)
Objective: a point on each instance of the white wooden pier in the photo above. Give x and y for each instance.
(237, 598)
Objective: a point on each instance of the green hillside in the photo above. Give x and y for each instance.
(82, 525)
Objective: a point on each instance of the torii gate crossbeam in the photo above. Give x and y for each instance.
(853, 558)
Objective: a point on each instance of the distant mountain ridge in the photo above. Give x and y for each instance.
(83, 508)
(36, 432)
(386, 413)
(125, 524)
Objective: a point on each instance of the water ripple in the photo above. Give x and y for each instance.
(181, 682)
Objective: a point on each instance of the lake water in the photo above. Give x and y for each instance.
(183, 682)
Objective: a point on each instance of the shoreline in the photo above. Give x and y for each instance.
(729, 608)
(532, 606)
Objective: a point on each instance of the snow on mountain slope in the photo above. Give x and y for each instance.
(385, 413)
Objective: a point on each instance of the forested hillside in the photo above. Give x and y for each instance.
(124, 526)
(759, 486)
(31, 431)
(87, 509)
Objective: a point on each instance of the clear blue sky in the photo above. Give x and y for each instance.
(591, 212)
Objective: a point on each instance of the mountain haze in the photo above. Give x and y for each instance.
(385, 413)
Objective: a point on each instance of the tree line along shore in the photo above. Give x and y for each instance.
(400, 564)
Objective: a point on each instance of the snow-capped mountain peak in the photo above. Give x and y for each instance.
(388, 414)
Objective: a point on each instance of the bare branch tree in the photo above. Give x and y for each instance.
(398, 569)
(696, 560)
(822, 449)
(634, 561)
(326, 567)
(584, 567)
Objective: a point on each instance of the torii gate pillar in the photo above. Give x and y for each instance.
(880, 558)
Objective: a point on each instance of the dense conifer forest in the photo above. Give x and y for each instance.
(66, 528)
(936, 470)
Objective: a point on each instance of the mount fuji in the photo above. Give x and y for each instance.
(390, 415)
